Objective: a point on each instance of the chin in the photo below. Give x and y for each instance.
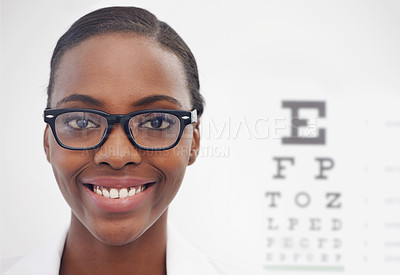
(117, 233)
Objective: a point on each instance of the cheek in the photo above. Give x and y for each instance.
(66, 164)
(179, 155)
(173, 164)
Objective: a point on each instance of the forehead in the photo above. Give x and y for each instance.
(119, 69)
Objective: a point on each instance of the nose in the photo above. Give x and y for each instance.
(117, 151)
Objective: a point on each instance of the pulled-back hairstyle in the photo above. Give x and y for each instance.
(129, 20)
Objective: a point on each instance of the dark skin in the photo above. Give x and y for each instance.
(119, 74)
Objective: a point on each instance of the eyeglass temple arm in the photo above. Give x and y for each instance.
(194, 116)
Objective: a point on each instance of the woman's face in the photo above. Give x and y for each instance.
(120, 74)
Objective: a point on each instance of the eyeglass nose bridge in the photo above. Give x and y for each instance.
(113, 119)
(123, 120)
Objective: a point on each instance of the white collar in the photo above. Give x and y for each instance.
(44, 260)
(182, 258)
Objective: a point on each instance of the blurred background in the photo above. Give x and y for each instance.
(299, 170)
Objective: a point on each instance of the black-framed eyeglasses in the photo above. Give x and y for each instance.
(85, 129)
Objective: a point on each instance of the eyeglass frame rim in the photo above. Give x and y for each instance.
(185, 118)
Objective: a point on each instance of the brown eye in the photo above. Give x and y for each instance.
(78, 121)
(81, 124)
(159, 122)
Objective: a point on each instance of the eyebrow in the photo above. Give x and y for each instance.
(81, 98)
(154, 98)
(141, 102)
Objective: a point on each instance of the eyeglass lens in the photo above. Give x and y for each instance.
(155, 130)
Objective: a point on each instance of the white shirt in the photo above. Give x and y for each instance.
(182, 259)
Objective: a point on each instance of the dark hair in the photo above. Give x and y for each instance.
(126, 20)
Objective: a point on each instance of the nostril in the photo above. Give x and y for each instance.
(117, 156)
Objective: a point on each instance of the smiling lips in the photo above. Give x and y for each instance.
(117, 188)
(116, 193)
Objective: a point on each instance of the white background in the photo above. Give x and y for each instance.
(251, 55)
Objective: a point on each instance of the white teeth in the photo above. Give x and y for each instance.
(132, 192)
(114, 193)
(98, 191)
(123, 193)
(106, 193)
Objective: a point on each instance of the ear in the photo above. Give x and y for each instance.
(46, 146)
(195, 147)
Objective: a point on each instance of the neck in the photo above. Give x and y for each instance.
(84, 254)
